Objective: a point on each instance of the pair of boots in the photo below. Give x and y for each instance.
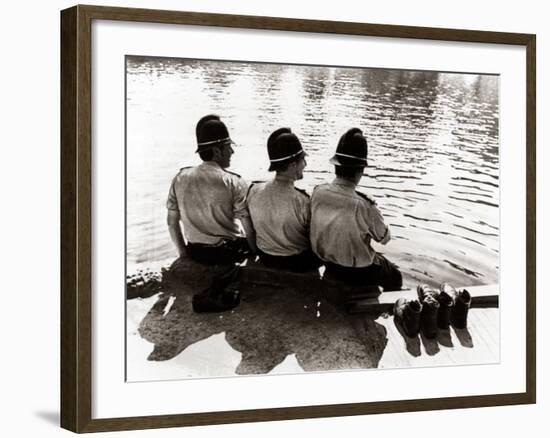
(434, 309)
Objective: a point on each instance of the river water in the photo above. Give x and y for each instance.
(433, 150)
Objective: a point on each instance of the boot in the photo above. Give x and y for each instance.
(445, 299)
(407, 314)
(423, 291)
(461, 304)
(430, 310)
(428, 318)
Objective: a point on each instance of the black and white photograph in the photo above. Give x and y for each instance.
(270, 219)
(306, 218)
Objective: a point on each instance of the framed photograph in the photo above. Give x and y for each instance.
(270, 218)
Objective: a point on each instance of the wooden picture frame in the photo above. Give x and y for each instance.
(76, 217)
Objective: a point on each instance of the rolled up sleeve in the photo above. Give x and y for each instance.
(374, 222)
(172, 201)
(380, 232)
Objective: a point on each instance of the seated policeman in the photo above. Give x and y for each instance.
(279, 211)
(344, 221)
(210, 202)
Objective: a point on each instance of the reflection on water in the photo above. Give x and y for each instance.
(433, 149)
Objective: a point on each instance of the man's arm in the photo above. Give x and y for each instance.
(240, 211)
(371, 220)
(250, 233)
(173, 221)
(380, 231)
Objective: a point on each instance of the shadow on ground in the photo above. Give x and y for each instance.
(270, 323)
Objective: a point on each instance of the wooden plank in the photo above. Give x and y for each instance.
(482, 296)
(355, 298)
(268, 279)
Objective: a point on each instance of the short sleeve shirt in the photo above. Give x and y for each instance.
(343, 222)
(210, 201)
(280, 214)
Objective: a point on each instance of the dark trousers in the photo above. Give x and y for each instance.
(303, 262)
(381, 272)
(226, 253)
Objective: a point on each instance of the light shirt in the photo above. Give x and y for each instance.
(210, 200)
(280, 215)
(343, 222)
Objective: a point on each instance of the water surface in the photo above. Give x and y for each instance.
(433, 150)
